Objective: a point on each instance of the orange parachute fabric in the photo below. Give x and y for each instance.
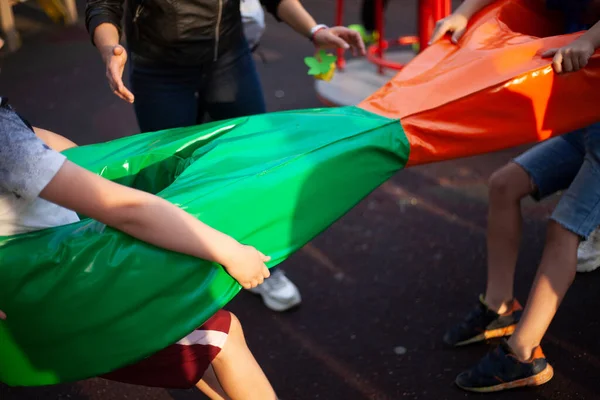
(491, 91)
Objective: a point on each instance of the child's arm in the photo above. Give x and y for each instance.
(153, 220)
(456, 23)
(575, 55)
(30, 169)
(144, 216)
(592, 35)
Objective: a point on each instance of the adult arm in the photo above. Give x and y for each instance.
(103, 22)
(293, 13)
(98, 12)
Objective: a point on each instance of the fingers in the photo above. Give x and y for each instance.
(2, 315)
(574, 63)
(457, 35)
(114, 72)
(115, 81)
(342, 37)
(251, 284)
(128, 95)
(122, 95)
(567, 64)
(549, 53)
(357, 43)
(570, 58)
(583, 60)
(579, 60)
(557, 62)
(441, 28)
(263, 257)
(255, 283)
(338, 42)
(250, 271)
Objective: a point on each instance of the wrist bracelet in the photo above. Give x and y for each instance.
(316, 29)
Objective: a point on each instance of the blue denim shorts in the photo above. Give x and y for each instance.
(570, 162)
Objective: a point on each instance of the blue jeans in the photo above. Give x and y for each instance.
(570, 162)
(169, 96)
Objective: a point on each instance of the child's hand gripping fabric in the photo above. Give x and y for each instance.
(575, 55)
(456, 23)
(247, 265)
(571, 57)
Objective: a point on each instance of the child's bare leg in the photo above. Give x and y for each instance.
(210, 386)
(555, 275)
(237, 371)
(507, 187)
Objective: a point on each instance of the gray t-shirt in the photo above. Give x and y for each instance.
(27, 165)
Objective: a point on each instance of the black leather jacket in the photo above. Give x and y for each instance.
(180, 32)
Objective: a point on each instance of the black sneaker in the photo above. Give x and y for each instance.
(500, 369)
(482, 324)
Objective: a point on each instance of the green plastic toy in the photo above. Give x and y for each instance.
(322, 66)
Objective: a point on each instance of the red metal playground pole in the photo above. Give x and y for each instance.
(339, 21)
(379, 27)
(429, 12)
(426, 22)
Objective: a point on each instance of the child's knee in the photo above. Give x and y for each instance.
(235, 338)
(235, 328)
(564, 241)
(509, 183)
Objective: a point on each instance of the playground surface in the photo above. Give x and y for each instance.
(379, 287)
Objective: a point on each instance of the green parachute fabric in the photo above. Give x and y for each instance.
(85, 299)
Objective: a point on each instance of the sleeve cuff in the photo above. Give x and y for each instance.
(94, 21)
(272, 6)
(52, 162)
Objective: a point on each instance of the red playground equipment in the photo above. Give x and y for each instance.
(360, 77)
(429, 12)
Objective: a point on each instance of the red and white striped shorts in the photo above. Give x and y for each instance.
(181, 365)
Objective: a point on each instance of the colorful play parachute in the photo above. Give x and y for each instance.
(85, 299)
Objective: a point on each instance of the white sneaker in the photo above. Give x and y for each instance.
(588, 253)
(278, 292)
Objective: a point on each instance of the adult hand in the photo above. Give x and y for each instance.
(340, 37)
(2, 315)
(115, 59)
(571, 57)
(455, 23)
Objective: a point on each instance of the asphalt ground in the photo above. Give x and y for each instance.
(379, 287)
